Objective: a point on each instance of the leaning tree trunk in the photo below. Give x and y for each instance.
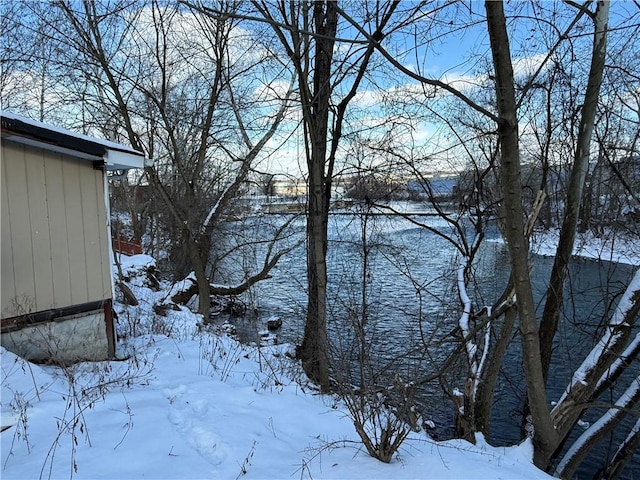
(544, 436)
(599, 430)
(555, 291)
(624, 453)
(611, 354)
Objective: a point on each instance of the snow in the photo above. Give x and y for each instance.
(621, 361)
(463, 322)
(608, 340)
(215, 207)
(627, 399)
(614, 248)
(629, 439)
(184, 402)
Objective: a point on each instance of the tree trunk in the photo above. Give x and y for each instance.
(625, 452)
(544, 436)
(597, 366)
(313, 351)
(315, 343)
(486, 387)
(555, 291)
(598, 430)
(204, 302)
(466, 413)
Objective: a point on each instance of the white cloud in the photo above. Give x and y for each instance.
(527, 66)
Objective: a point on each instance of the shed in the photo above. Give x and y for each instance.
(56, 283)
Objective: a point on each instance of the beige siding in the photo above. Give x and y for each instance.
(58, 230)
(8, 288)
(94, 215)
(39, 227)
(54, 235)
(14, 182)
(75, 232)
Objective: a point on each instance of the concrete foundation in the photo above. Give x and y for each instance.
(66, 340)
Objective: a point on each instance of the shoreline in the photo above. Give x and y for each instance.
(610, 247)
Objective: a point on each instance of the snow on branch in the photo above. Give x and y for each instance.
(468, 333)
(609, 349)
(598, 430)
(216, 207)
(622, 317)
(464, 320)
(618, 366)
(625, 451)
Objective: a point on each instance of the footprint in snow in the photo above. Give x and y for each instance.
(188, 419)
(173, 394)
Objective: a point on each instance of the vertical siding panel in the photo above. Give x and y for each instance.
(58, 229)
(105, 237)
(75, 230)
(39, 225)
(20, 234)
(92, 224)
(6, 261)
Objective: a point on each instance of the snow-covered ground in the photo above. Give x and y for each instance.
(608, 246)
(188, 404)
(619, 248)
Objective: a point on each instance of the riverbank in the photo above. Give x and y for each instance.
(186, 402)
(610, 247)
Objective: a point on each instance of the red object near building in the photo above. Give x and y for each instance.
(127, 247)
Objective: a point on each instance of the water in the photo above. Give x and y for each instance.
(412, 305)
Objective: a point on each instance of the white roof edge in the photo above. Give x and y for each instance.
(119, 160)
(117, 156)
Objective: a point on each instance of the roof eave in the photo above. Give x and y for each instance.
(109, 155)
(52, 147)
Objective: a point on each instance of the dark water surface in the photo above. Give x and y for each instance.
(413, 305)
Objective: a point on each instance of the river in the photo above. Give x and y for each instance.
(412, 307)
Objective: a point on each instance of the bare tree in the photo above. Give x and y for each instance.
(176, 85)
(545, 439)
(169, 79)
(555, 292)
(510, 93)
(552, 428)
(308, 33)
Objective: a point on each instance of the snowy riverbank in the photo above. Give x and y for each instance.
(608, 247)
(183, 403)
